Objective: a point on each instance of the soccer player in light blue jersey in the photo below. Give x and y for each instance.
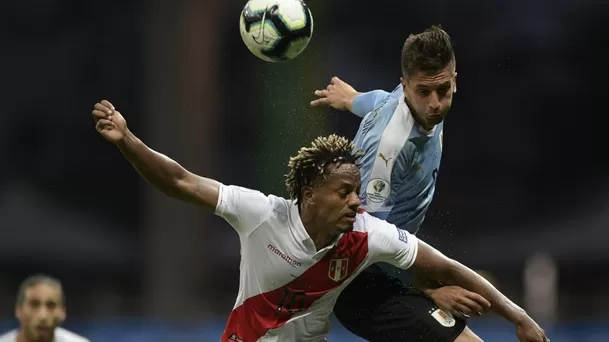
(401, 133)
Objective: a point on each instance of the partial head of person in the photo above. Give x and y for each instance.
(429, 75)
(40, 308)
(324, 180)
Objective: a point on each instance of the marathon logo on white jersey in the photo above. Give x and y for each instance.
(283, 256)
(338, 269)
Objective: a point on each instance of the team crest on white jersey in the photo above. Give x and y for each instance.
(338, 269)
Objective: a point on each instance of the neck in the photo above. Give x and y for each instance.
(21, 337)
(321, 235)
(426, 126)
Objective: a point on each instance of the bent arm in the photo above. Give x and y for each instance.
(433, 265)
(364, 103)
(167, 175)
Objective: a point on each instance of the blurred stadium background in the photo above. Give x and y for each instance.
(522, 195)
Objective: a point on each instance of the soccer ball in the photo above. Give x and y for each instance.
(276, 30)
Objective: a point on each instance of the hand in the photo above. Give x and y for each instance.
(109, 122)
(459, 301)
(338, 95)
(528, 330)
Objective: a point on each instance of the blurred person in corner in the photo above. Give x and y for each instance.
(40, 309)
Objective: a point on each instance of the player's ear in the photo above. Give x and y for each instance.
(62, 315)
(403, 82)
(455, 83)
(18, 312)
(307, 195)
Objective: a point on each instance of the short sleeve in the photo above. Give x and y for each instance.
(243, 208)
(392, 245)
(364, 103)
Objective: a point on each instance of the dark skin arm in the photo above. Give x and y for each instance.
(454, 299)
(157, 169)
(435, 266)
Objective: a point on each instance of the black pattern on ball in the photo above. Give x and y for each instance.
(286, 36)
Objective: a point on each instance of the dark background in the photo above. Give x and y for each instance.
(523, 185)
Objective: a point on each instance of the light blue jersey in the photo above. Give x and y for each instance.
(402, 159)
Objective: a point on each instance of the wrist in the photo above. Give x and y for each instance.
(519, 317)
(349, 103)
(429, 292)
(128, 139)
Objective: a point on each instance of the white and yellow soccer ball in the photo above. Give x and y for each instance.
(276, 30)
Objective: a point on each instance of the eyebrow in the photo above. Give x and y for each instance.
(445, 84)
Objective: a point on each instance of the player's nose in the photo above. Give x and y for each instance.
(354, 201)
(434, 101)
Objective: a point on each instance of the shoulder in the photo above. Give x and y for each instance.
(397, 91)
(367, 223)
(377, 227)
(240, 200)
(246, 209)
(64, 335)
(10, 336)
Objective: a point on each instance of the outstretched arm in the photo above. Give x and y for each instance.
(432, 264)
(167, 175)
(159, 170)
(341, 95)
(403, 250)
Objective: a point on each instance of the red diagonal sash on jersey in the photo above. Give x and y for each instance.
(261, 313)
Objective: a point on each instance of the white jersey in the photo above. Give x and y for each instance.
(287, 289)
(61, 335)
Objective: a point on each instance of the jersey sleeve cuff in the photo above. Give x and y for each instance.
(219, 211)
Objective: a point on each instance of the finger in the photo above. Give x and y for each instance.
(99, 114)
(330, 87)
(321, 93)
(479, 299)
(102, 108)
(335, 80)
(459, 313)
(473, 308)
(465, 310)
(103, 124)
(319, 102)
(108, 104)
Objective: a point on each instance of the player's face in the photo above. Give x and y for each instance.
(337, 198)
(41, 312)
(430, 95)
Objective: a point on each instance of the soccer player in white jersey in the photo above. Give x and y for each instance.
(40, 310)
(401, 133)
(298, 254)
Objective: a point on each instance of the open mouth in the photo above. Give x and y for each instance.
(350, 217)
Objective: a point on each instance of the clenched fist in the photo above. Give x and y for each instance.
(109, 122)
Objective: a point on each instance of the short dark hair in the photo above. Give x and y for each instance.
(34, 280)
(429, 51)
(311, 163)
